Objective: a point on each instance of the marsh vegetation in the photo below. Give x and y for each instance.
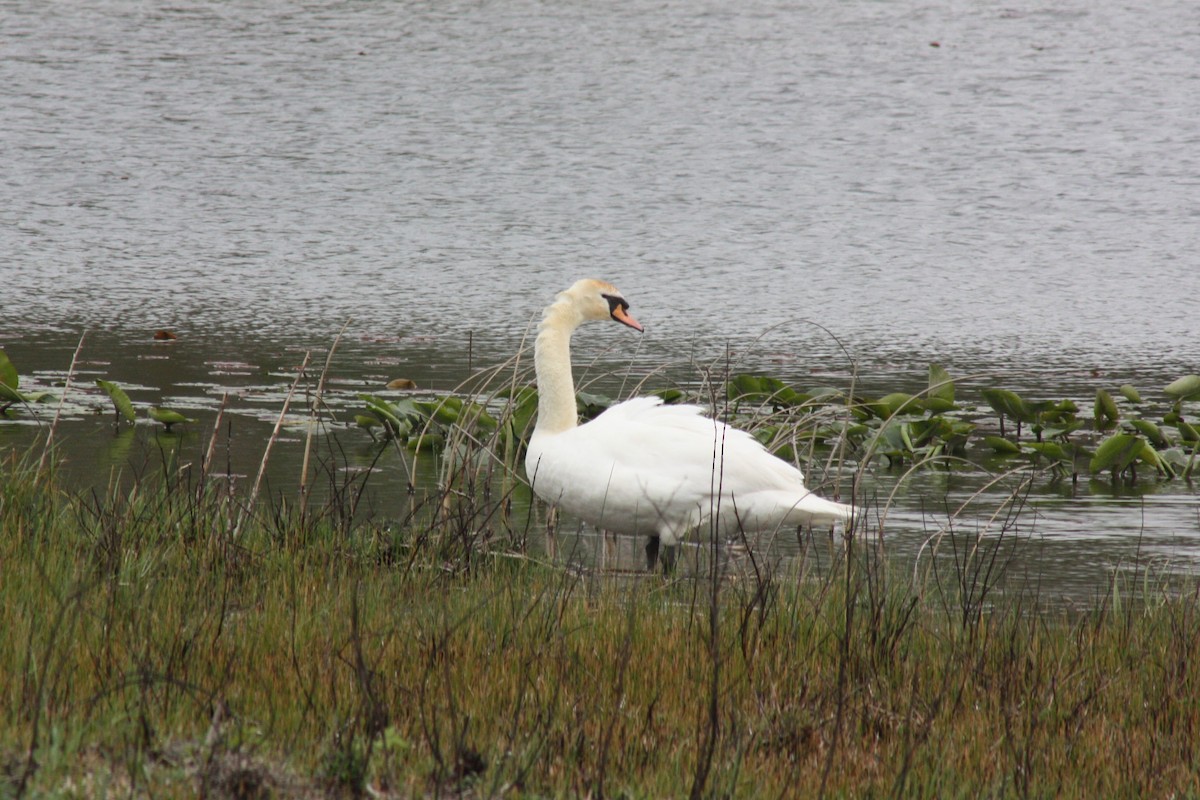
(177, 632)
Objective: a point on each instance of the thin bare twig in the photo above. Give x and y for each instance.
(262, 467)
(312, 419)
(61, 399)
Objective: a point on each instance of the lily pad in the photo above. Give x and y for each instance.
(121, 402)
(1117, 452)
(1002, 445)
(1151, 431)
(940, 396)
(390, 415)
(167, 417)
(1105, 410)
(366, 421)
(8, 372)
(1009, 404)
(9, 396)
(427, 443)
(1130, 393)
(891, 404)
(1185, 388)
(1050, 450)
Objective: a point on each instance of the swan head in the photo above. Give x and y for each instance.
(592, 300)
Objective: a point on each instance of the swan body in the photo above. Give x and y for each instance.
(646, 468)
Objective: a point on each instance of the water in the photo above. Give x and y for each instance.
(1016, 202)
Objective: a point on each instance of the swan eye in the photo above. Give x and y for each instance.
(614, 303)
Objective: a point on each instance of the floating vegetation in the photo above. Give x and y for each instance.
(167, 417)
(122, 405)
(1127, 433)
(10, 394)
(934, 429)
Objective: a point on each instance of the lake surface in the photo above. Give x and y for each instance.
(1010, 190)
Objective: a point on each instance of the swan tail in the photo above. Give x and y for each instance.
(808, 509)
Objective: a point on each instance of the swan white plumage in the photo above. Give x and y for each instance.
(645, 468)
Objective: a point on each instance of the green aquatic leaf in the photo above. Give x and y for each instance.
(9, 396)
(591, 405)
(121, 402)
(1058, 414)
(9, 381)
(1009, 404)
(1176, 458)
(826, 394)
(475, 416)
(167, 416)
(1002, 445)
(855, 431)
(786, 451)
(8, 372)
(521, 410)
(669, 396)
(938, 405)
(1130, 393)
(1061, 430)
(787, 396)
(1185, 388)
(742, 385)
(940, 396)
(387, 413)
(1151, 431)
(445, 411)
(764, 389)
(891, 404)
(894, 441)
(1050, 450)
(426, 443)
(1117, 452)
(1105, 410)
(1149, 455)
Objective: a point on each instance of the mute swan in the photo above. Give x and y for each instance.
(642, 467)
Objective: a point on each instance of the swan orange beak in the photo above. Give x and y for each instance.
(621, 315)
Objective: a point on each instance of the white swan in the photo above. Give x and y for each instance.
(642, 467)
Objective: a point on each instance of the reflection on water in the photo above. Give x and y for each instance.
(784, 188)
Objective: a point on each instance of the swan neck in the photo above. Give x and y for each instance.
(552, 363)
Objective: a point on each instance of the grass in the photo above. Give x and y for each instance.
(169, 637)
(149, 652)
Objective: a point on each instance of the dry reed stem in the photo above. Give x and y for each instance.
(62, 398)
(262, 467)
(313, 412)
(212, 441)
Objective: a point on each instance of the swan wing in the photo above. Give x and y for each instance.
(684, 444)
(642, 467)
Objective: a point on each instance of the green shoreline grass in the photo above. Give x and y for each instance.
(148, 653)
